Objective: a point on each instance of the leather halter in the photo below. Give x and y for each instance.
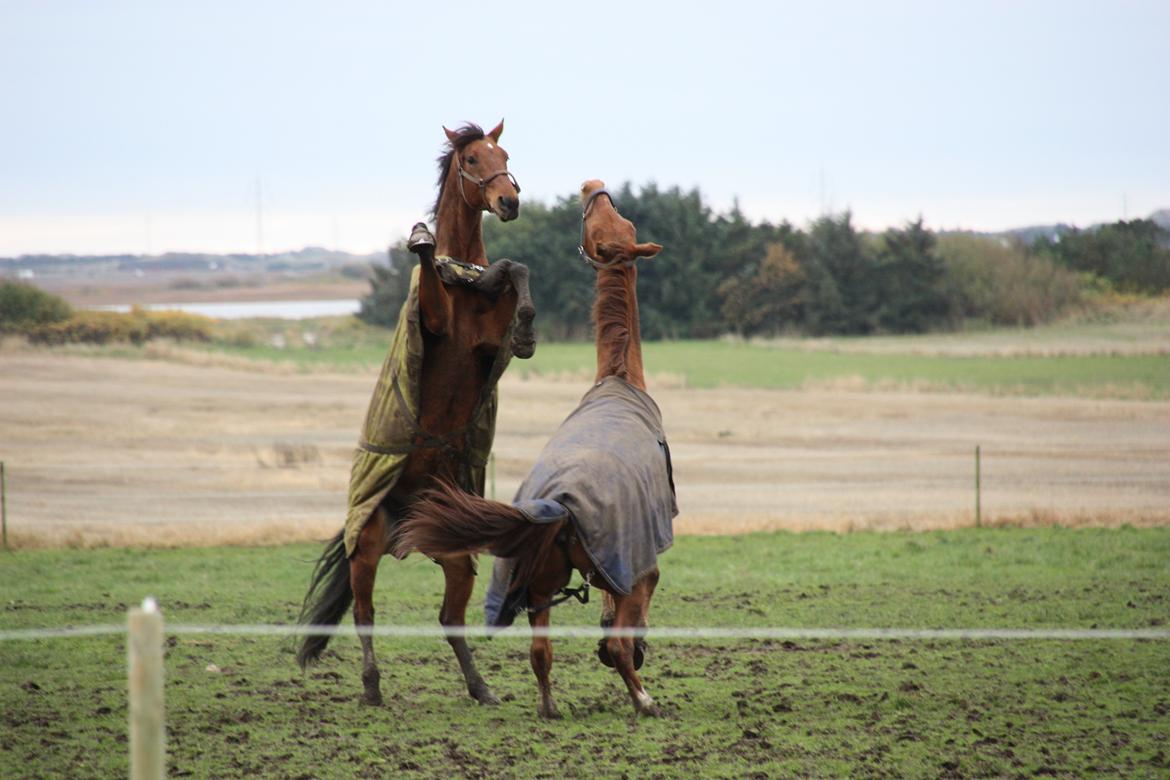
(597, 265)
(481, 183)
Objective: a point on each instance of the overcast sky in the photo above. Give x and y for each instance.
(134, 127)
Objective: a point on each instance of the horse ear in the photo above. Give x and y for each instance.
(647, 250)
(497, 132)
(451, 134)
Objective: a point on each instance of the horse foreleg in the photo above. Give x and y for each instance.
(631, 614)
(459, 572)
(541, 656)
(363, 567)
(494, 281)
(524, 337)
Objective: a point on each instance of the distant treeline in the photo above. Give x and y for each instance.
(721, 273)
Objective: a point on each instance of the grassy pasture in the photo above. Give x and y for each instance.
(734, 708)
(1111, 352)
(706, 364)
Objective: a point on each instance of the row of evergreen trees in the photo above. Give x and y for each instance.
(720, 272)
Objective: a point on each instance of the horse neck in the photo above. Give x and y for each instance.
(619, 339)
(458, 227)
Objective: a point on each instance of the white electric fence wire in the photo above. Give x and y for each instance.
(593, 632)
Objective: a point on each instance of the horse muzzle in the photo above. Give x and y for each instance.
(506, 208)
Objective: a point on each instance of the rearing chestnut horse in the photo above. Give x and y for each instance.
(599, 499)
(432, 415)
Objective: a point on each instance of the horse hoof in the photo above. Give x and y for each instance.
(549, 712)
(372, 698)
(603, 654)
(485, 696)
(523, 348)
(420, 236)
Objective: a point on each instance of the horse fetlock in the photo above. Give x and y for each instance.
(371, 681)
(524, 337)
(645, 705)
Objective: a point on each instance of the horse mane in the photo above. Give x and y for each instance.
(464, 135)
(611, 317)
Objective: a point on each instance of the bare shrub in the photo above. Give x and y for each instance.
(1003, 285)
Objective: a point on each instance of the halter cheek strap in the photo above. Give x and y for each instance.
(481, 183)
(598, 265)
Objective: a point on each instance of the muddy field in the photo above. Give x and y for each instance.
(109, 451)
(237, 706)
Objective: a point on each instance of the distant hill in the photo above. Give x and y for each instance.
(1030, 233)
(1162, 217)
(308, 260)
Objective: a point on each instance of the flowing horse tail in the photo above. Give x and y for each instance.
(445, 520)
(329, 598)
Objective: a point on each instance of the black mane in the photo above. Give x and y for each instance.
(464, 135)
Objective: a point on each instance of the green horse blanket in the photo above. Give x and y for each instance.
(392, 431)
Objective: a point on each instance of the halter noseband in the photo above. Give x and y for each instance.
(481, 183)
(597, 265)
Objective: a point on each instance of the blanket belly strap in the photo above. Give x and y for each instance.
(424, 440)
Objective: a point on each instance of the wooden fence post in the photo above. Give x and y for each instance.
(147, 712)
(4, 504)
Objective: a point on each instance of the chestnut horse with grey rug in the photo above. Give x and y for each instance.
(600, 498)
(432, 416)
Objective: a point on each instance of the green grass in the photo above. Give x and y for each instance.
(888, 708)
(706, 364)
(713, 363)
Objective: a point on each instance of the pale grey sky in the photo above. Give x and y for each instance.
(133, 126)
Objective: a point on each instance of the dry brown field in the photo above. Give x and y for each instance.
(105, 451)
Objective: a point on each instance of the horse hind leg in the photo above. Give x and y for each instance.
(459, 573)
(363, 568)
(541, 656)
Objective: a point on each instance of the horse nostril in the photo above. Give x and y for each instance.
(508, 204)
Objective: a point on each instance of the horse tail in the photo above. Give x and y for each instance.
(445, 520)
(328, 599)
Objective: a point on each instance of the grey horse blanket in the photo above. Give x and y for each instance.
(608, 466)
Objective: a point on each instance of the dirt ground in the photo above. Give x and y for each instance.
(107, 451)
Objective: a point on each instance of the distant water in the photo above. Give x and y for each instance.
(238, 310)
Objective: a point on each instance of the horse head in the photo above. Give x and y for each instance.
(607, 238)
(484, 180)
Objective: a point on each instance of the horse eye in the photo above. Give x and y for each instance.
(471, 160)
